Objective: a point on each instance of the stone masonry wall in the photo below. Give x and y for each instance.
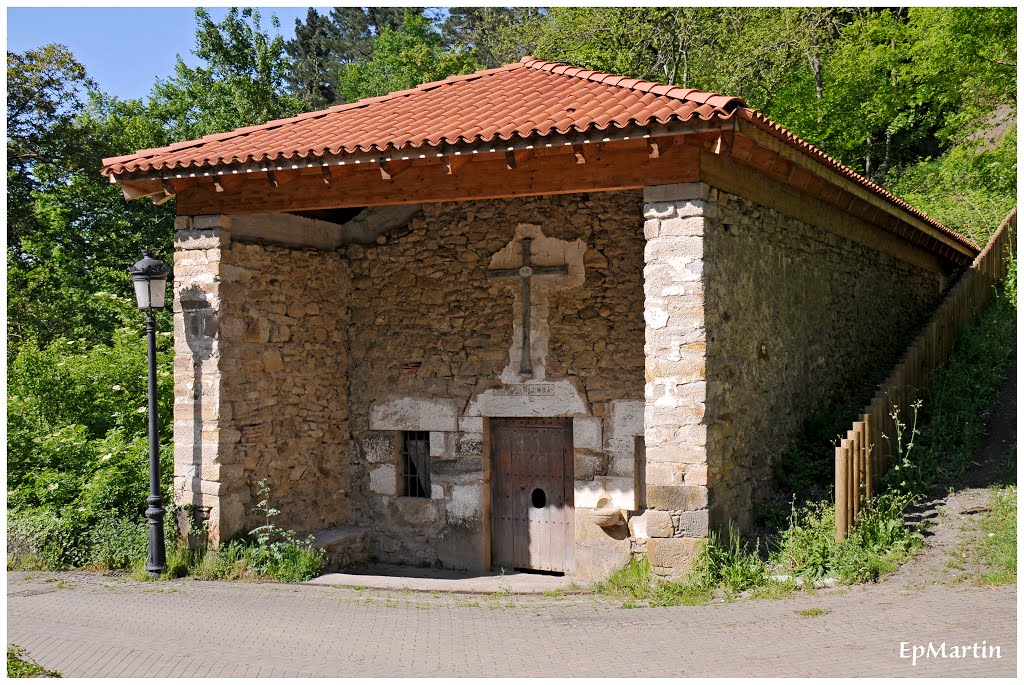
(430, 340)
(261, 330)
(798, 320)
(676, 520)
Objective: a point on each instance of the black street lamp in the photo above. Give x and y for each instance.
(149, 276)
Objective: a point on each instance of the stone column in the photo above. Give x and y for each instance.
(675, 347)
(206, 475)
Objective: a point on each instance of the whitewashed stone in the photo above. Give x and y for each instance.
(383, 480)
(587, 433)
(465, 504)
(415, 414)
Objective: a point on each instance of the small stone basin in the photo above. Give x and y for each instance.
(606, 516)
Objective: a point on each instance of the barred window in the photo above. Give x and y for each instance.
(415, 464)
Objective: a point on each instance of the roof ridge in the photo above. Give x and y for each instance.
(727, 103)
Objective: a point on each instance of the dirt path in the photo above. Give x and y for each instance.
(956, 509)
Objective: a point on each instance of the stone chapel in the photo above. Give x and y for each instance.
(534, 317)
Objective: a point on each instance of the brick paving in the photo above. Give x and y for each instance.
(96, 626)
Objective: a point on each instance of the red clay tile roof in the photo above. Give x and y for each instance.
(526, 99)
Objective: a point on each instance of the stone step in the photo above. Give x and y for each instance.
(346, 546)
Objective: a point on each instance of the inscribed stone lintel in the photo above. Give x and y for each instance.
(547, 399)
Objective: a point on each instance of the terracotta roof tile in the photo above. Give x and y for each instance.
(530, 98)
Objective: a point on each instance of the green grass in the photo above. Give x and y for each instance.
(19, 666)
(814, 611)
(996, 550)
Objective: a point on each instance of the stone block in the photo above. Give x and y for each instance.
(461, 470)
(664, 474)
(685, 226)
(383, 480)
(675, 454)
(207, 239)
(379, 447)
(651, 228)
(678, 497)
(693, 524)
(204, 221)
(587, 432)
(466, 503)
(436, 491)
(672, 192)
(599, 551)
(471, 424)
(438, 444)
(673, 557)
(470, 444)
(638, 526)
(659, 524)
(415, 414)
(589, 463)
(696, 474)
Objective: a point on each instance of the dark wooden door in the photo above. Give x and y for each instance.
(532, 520)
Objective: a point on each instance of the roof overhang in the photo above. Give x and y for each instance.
(598, 161)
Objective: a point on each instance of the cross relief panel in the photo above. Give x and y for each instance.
(533, 266)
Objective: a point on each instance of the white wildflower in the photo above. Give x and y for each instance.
(106, 457)
(115, 387)
(54, 486)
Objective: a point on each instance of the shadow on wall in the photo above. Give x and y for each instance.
(200, 324)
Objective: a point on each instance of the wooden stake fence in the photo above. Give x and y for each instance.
(864, 455)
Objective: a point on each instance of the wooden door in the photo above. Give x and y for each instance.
(532, 520)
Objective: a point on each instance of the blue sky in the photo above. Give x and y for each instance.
(124, 49)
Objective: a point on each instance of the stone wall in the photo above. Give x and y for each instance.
(434, 348)
(261, 360)
(799, 320)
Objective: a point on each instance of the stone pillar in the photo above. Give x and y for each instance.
(206, 475)
(675, 347)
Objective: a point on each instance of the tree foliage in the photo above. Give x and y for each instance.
(403, 58)
(240, 83)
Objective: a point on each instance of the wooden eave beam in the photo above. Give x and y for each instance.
(762, 139)
(615, 166)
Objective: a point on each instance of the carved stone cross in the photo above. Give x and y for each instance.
(524, 273)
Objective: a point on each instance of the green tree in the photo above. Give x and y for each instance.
(494, 33)
(70, 232)
(325, 43)
(402, 59)
(240, 83)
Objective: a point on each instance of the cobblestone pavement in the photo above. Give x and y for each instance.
(87, 625)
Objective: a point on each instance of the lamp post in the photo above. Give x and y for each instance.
(149, 276)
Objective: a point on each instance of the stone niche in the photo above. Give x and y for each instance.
(437, 346)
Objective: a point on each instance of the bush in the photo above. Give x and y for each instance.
(77, 450)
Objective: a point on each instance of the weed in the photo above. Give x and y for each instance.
(633, 580)
(19, 666)
(557, 592)
(814, 611)
(731, 566)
